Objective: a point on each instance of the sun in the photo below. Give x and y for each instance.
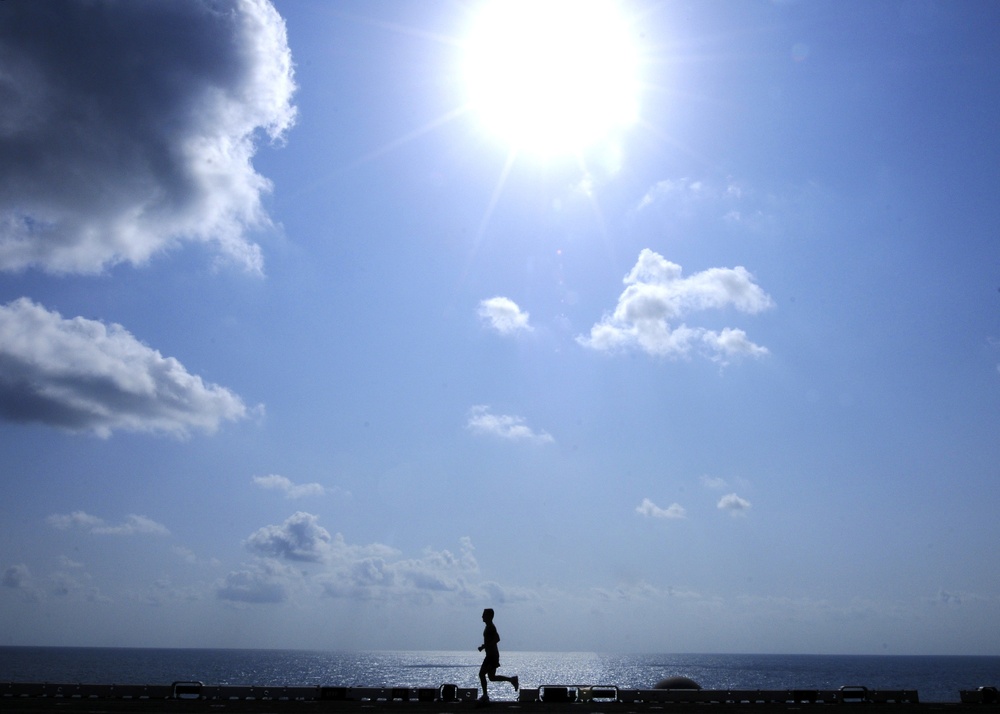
(552, 76)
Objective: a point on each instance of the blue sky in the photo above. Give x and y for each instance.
(318, 331)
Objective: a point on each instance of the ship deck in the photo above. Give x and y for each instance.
(196, 697)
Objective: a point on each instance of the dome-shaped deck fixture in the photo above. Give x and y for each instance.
(677, 682)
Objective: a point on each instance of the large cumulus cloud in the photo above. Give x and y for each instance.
(127, 127)
(300, 537)
(84, 375)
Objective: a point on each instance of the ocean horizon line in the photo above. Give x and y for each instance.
(472, 652)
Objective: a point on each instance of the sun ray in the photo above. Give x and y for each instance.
(394, 144)
(396, 27)
(494, 200)
(386, 148)
(595, 206)
(488, 213)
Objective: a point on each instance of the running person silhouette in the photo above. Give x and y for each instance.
(492, 660)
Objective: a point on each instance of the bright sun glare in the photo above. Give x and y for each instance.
(552, 76)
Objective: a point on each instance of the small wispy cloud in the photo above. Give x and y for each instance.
(17, 577)
(727, 201)
(504, 426)
(190, 557)
(716, 483)
(274, 482)
(651, 510)
(957, 598)
(133, 524)
(690, 197)
(683, 189)
(947, 597)
(504, 315)
(74, 584)
(650, 312)
(994, 344)
(734, 504)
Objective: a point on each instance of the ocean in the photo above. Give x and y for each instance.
(935, 678)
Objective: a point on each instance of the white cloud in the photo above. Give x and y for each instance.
(676, 190)
(290, 489)
(686, 206)
(734, 504)
(994, 344)
(716, 483)
(505, 426)
(75, 585)
(76, 519)
(163, 591)
(377, 573)
(190, 557)
(133, 525)
(348, 571)
(300, 538)
(60, 583)
(657, 298)
(140, 137)
(266, 581)
(504, 316)
(642, 590)
(84, 375)
(728, 201)
(651, 510)
(17, 577)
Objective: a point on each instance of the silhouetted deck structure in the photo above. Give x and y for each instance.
(194, 697)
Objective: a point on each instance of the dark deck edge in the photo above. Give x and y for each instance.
(196, 697)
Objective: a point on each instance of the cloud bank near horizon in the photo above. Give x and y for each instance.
(127, 128)
(341, 570)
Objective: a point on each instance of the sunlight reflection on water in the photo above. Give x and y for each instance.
(936, 678)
